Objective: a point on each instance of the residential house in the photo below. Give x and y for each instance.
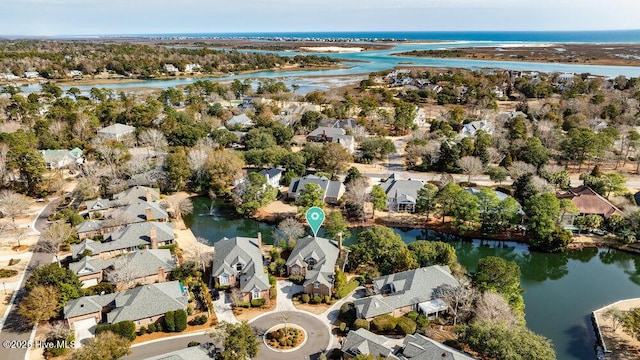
(238, 262)
(242, 121)
(59, 159)
(190, 68)
(402, 195)
(345, 124)
(364, 342)
(145, 235)
(31, 74)
(247, 103)
(325, 134)
(143, 305)
(332, 191)
(136, 194)
(419, 347)
(9, 76)
(412, 290)
(315, 258)
(588, 202)
(89, 229)
(170, 68)
(200, 352)
(117, 132)
(141, 266)
(74, 74)
(94, 207)
(421, 118)
(471, 128)
(273, 176)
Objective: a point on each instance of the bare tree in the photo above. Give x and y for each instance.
(494, 307)
(616, 316)
(181, 207)
(289, 230)
(519, 168)
(541, 185)
(494, 156)
(155, 140)
(56, 234)
(4, 151)
(236, 296)
(123, 273)
(197, 158)
(459, 299)
(471, 166)
(13, 204)
(200, 254)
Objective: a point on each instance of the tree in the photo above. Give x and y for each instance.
(225, 167)
(378, 198)
(356, 196)
(556, 175)
(123, 273)
(177, 169)
(459, 299)
(335, 159)
(40, 304)
(493, 307)
(534, 153)
(105, 346)
(56, 235)
(155, 139)
(503, 277)
(253, 194)
(13, 205)
(616, 316)
(380, 248)
(543, 211)
(520, 168)
(290, 230)
(497, 174)
(334, 225)
(426, 201)
(580, 145)
(471, 166)
(62, 279)
(429, 253)
(238, 341)
(376, 148)
(309, 197)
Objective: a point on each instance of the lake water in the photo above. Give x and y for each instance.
(561, 290)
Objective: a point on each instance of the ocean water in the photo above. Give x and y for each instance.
(609, 36)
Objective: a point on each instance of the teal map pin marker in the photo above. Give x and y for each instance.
(315, 218)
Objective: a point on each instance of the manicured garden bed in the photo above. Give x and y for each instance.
(285, 338)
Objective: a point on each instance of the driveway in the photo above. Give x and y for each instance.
(318, 337)
(84, 330)
(222, 308)
(286, 290)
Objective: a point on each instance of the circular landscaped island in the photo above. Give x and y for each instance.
(285, 338)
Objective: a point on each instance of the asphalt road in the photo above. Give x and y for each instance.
(318, 337)
(15, 329)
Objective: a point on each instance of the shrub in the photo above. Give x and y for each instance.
(347, 313)
(257, 302)
(126, 329)
(7, 273)
(412, 315)
(159, 326)
(316, 299)
(199, 320)
(13, 262)
(142, 331)
(304, 298)
(273, 293)
(343, 326)
(151, 328)
(384, 323)
(361, 324)
(326, 299)
(180, 320)
(170, 321)
(98, 289)
(296, 279)
(272, 280)
(193, 343)
(406, 326)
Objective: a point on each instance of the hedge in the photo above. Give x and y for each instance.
(347, 313)
(406, 326)
(305, 298)
(170, 321)
(126, 329)
(257, 302)
(180, 320)
(7, 273)
(345, 290)
(384, 323)
(361, 324)
(199, 320)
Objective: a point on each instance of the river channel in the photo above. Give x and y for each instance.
(561, 290)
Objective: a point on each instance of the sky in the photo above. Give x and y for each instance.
(102, 17)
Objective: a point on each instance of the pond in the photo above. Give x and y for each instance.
(561, 290)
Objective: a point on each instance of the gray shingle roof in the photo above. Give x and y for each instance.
(89, 225)
(418, 347)
(401, 189)
(129, 236)
(147, 301)
(332, 189)
(136, 194)
(363, 341)
(405, 288)
(117, 129)
(97, 204)
(324, 251)
(241, 119)
(141, 263)
(229, 252)
(88, 265)
(270, 173)
(190, 353)
(329, 132)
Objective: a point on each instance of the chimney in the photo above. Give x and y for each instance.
(339, 243)
(259, 240)
(148, 195)
(161, 274)
(147, 214)
(154, 237)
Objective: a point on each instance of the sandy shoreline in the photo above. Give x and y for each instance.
(331, 49)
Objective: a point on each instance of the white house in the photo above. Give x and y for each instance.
(471, 128)
(189, 68)
(170, 68)
(273, 176)
(31, 74)
(116, 132)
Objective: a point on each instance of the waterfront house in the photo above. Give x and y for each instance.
(364, 342)
(170, 68)
(200, 352)
(31, 74)
(136, 194)
(590, 202)
(140, 267)
(419, 347)
(273, 176)
(143, 305)
(238, 262)
(332, 191)
(59, 159)
(402, 195)
(412, 290)
(315, 258)
(190, 68)
(117, 132)
(145, 235)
